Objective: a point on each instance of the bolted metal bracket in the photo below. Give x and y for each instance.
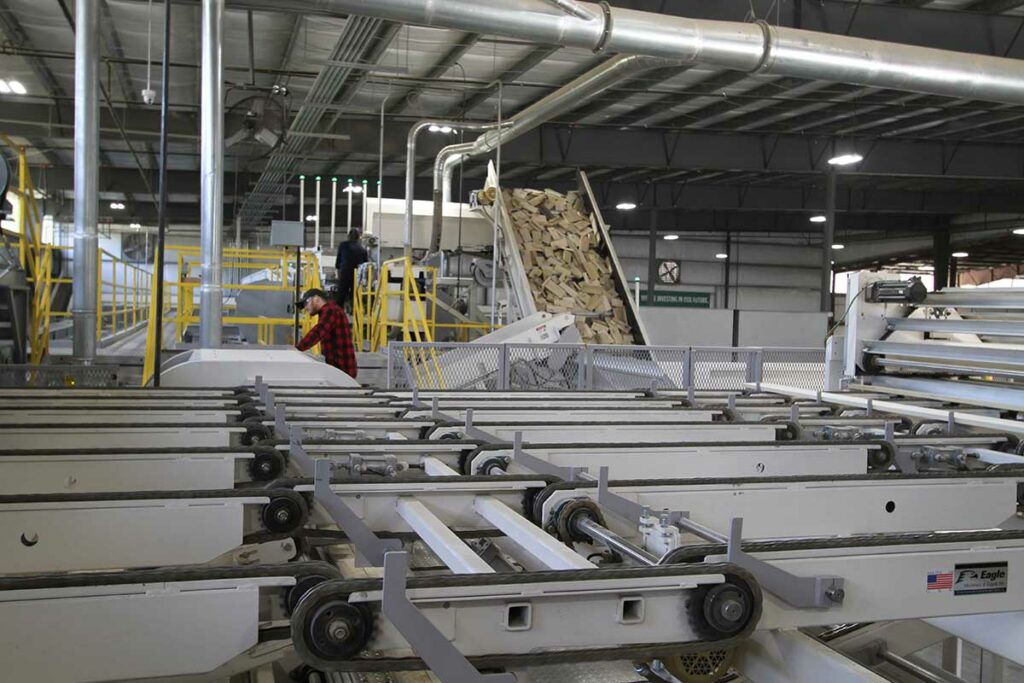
(281, 423)
(370, 547)
(539, 466)
(443, 658)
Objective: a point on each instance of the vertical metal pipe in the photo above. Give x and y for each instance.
(87, 112)
(334, 209)
(940, 244)
(652, 249)
(238, 230)
(158, 262)
(302, 204)
(728, 265)
(211, 300)
(828, 234)
(316, 214)
(348, 204)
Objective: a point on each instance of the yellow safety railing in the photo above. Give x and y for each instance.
(180, 306)
(123, 293)
(400, 303)
(35, 257)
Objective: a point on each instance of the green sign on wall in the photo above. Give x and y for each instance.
(678, 299)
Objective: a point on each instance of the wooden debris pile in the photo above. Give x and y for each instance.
(559, 244)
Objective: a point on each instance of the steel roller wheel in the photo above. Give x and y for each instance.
(327, 629)
(267, 464)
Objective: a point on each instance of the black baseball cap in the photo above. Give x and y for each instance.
(309, 294)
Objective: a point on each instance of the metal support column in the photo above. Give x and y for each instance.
(828, 236)
(652, 249)
(87, 128)
(158, 261)
(211, 161)
(940, 248)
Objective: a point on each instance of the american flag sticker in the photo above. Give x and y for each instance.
(940, 581)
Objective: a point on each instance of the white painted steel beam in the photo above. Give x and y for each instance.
(459, 557)
(533, 539)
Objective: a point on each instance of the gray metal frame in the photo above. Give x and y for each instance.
(575, 367)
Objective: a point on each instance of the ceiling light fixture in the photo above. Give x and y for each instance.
(818, 218)
(311, 218)
(4, 88)
(1019, 231)
(354, 189)
(625, 206)
(434, 128)
(117, 206)
(16, 87)
(959, 254)
(721, 255)
(135, 226)
(837, 247)
(846, 159)
(671, 237)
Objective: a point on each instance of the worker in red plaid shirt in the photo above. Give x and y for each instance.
(332, 331)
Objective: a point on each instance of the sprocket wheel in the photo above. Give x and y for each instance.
(327, 629)
(700, 667)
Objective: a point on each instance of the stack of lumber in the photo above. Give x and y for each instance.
(560, 247)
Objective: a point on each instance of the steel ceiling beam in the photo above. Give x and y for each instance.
(513, 73)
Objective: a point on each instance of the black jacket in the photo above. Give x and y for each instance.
(351, 255)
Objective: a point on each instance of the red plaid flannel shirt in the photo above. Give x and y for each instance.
(333, 334)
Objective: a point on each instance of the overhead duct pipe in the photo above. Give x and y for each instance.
(85, 273)
(211, 162)
(410, 168)
(576, 93)
(750, 47)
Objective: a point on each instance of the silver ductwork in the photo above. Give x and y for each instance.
(211, 165)
(574, 94)
(85, 272)
(410, 168)
(750, 47)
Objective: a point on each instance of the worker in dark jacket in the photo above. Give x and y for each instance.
(332, 331)
(351, 255)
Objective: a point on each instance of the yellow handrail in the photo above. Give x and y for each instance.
(179, 294)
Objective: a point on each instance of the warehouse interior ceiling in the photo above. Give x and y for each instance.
(709, 150)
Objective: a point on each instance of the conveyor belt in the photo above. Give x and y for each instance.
(697, 552)
(343, 588)
(536, 509)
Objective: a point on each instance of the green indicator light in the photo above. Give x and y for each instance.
(302, 177)
(349, 181)
(318, 178)
(334, 179)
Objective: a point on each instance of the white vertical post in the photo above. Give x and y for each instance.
(302, 201)
(334, 208)
(316, 233)
(348, 203)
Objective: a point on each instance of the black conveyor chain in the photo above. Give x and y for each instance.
(344, 588)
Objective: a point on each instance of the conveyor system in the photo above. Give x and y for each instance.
(620, 432)
(85, 415)
(485, 616)
(91, 531)
(111, 470)
(963, 345)
(91, 627)
(71, 437)
(767, 458)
